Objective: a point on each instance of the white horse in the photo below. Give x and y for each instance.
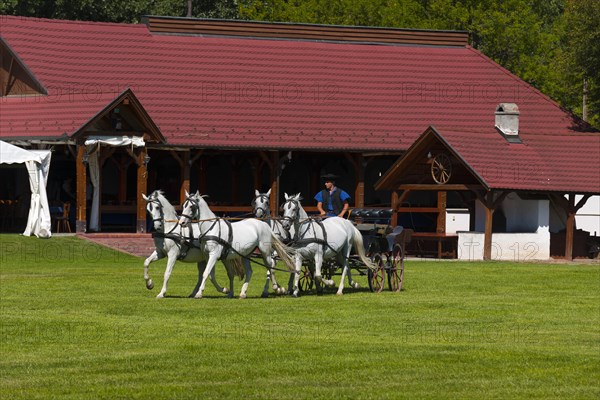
(171, 240)
(233, 241)
(317, 240)
(261, 209)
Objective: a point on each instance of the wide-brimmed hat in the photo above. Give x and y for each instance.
(329, 177)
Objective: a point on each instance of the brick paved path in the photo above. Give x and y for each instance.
(140, 245)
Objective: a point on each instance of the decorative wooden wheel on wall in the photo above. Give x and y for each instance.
(441, 168)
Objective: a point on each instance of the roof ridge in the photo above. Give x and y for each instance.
(69, 21)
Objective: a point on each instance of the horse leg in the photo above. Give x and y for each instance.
(291, 282)
(345, 270)
(171, 258)
(265, 292)
(153, 257)
(216, 284)
(230, 275)
(210, 264)
(270, 262)
(248, 273)
(318, 270)
(298, 262)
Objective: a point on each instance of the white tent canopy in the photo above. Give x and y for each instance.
(92, 145)
(38, 166)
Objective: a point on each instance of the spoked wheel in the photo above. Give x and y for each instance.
(396, 270)
(306, 281)
(377, 276)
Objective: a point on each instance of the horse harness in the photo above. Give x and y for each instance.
(299, 240)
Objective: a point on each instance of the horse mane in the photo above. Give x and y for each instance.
(168, 209)
(302, 215)
(204, 212)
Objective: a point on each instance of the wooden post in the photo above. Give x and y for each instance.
(359, 194)
(142, 183)
(441, 206)
(487, 238)
(185, 174)
(395, 205)
(81, 223)
(274, 183)
(570, 227)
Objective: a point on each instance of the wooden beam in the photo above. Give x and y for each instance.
(425, 187)
(8, 86)
(80, 223)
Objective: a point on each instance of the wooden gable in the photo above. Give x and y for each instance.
(124, 116)
(15, 78)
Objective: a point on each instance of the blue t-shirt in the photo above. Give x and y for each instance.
(329, 207)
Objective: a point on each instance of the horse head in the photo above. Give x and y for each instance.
(155, 209)
(260, 204)
(291, 210)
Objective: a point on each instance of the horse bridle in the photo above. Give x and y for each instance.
(265, 210)
(162, 214)
(297, 212)
(195, 207)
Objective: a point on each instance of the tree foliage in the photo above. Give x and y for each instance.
(552, 44)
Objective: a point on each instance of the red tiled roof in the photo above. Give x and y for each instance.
(542, 162)
(251, 93)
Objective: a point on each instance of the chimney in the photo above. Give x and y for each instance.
(507, 121)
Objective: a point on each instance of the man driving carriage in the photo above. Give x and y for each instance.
(332, 201)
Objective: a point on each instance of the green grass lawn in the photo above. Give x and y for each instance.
(77, 322)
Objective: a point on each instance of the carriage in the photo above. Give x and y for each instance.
(383, 245)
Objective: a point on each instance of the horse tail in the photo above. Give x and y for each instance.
(359, 247)
(238, 267)
(284, 252)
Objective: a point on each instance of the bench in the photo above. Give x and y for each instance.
(450, 239)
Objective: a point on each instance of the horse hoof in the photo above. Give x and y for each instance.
(243, 296)
(198, 296)
(295, 294)
(160, 296)
(355, 285)
(264, 295)
(340, 293)
(149, 284)
(225, 290)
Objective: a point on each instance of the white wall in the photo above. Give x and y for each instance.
(505, 246)
(527, 237)
(588, 216)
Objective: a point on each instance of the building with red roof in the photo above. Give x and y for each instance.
(229, 106)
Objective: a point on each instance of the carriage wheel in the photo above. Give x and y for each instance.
(396, 271)
(306, 282)
(441, 168)
(377, 276)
